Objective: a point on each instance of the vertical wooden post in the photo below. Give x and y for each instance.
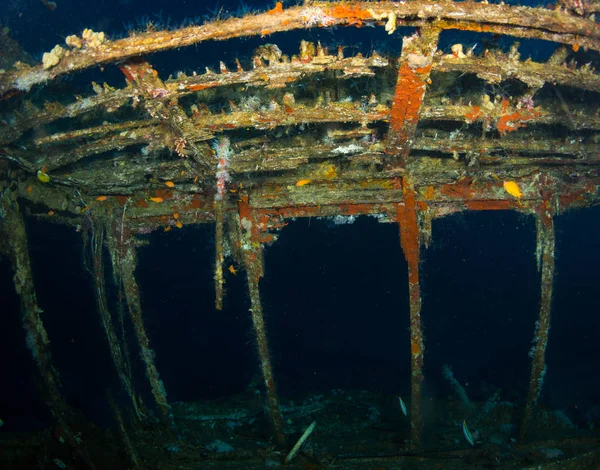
(253, 259)
(545, 258)
(406, 216)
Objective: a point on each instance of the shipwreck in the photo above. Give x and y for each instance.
(314, 131)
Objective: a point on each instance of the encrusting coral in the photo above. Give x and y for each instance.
(50, 59)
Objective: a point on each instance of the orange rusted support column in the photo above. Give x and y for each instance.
(413, 75)
(406, 216)
(253, 259)
(545, 259)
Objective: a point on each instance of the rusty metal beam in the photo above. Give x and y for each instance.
(15, 244)
(219, 258)
(410, 241)
(413, 75)
(94, 241)
(169, 114)
(522, 21)
(545, 260)
(253, 259)
(132, 296)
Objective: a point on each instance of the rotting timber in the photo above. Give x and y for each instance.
(253, 145)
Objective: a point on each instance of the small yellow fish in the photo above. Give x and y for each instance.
(158, 200)
(170, 184)
(101, 198)
(43, 176)
(513, 189)
(330, 172)
(232, 270)
(178, 224)
(176, 215)
(167, 228)
(302, 182)
(50, 213)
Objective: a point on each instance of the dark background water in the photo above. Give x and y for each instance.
(335, 296)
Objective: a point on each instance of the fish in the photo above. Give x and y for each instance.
(302, 182)
(101, 198)
(167, 228)
(50, 213)
(178, 224)
(467, 433)
(49, 5)
(403, 406)
(43, 176)
(232, 270)
(170, 184)
(513, 189)
(176, 215)
(158, 200)
(430, 193)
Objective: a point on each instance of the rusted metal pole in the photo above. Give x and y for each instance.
(525, 22)
(545, 258)
(253, 259)
(406, 216)
(132, 295)
(118, 349)
(170, 115)
(14, 242)
(127, 444)
(414, 70)
(219, 258)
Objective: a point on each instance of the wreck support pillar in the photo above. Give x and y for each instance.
(132, 296)
(414, 69)
(219, 258)
(118, 348)
(253, 260)
(545, 258)
(406, 216)
(13, 238)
